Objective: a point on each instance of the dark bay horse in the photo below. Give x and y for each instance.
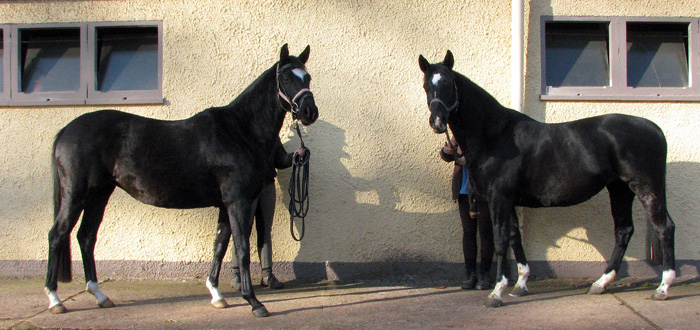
(220, 157)
(517, 161)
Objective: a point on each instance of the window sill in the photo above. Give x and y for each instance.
(647, 98)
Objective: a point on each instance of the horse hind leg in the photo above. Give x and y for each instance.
(655, 209)
(621, 199)
(516, 242)
(223, 235)
(59, 260)
(87, 238)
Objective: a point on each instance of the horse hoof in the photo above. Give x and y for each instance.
(261, 312)
(219, 303)
(106, 304)
(518, 292)
(659, 296)
(493, 302)
(58, 309)
(596, 289)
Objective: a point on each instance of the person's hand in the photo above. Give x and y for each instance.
(447, 150)
(300, 151)
(461, 161)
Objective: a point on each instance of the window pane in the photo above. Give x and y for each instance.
(127, 58)
(50, 60)
(577, 54)
(657, 54)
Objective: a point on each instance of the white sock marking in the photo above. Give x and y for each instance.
(53, 298)
(94, 289)
(499, 288)
(669, 276)
(523, 275)
(215, 294)
(436, 79)
(604, 280)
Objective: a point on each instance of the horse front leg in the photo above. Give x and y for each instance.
(241, 220)
(501, 212)
(223, 236)
(520, 288)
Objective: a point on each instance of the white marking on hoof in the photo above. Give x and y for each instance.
(599, 285)
(498, 289)
(436, 79)
(216, 297)
(669, 276)
(54, 302)
(523, 275)
(102, 300)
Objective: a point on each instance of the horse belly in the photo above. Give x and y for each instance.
(175, 189)
(566, 186)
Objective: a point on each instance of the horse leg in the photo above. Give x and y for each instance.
(59, 262)
(516, 243)
(87, 237)
(621, 199)
(241, 219)
(655, 208)
(223, 235)
(501, 213)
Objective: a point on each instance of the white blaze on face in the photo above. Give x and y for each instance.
(436, 79)
(299, 72)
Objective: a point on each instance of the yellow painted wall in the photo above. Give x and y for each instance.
(379, 192)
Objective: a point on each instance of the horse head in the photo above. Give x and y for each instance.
(441, 90)
(293, 83)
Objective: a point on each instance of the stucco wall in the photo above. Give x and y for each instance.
(379, 193)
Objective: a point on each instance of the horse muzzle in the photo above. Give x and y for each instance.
(308, 112)
(438, 122)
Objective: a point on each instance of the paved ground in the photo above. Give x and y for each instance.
(184, 304)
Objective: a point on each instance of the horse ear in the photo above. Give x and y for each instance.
(304, 56)
(449, 60)
(284, 53)
(423, 63)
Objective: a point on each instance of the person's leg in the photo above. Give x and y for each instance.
(468, 241)
(265, 217)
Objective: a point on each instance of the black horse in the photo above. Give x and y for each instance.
(517, 161)
(220, 157)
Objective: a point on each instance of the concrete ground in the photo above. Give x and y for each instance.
(184, 304)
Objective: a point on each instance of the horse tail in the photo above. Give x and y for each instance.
(65, 272)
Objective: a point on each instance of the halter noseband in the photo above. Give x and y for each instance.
(439, 101)
(298, 98)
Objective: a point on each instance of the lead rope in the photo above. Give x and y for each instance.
(299, 188)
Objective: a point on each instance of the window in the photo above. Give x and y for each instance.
(83, 63)
(4, 65)
(620, 58)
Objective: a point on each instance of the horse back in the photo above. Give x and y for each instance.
(564, 164)
(162, 163)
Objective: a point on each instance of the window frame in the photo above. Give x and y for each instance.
(5, 93)
(87, 94)
(618, 90)
(95, 96)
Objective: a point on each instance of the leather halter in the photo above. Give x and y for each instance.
(439, 101)
(298, 98)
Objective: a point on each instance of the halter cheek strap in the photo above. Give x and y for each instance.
(298, 98)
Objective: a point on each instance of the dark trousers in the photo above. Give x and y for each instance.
(470, 226)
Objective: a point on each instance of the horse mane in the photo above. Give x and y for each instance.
(481, 113)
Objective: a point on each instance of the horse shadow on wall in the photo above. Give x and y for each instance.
(357, 218)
